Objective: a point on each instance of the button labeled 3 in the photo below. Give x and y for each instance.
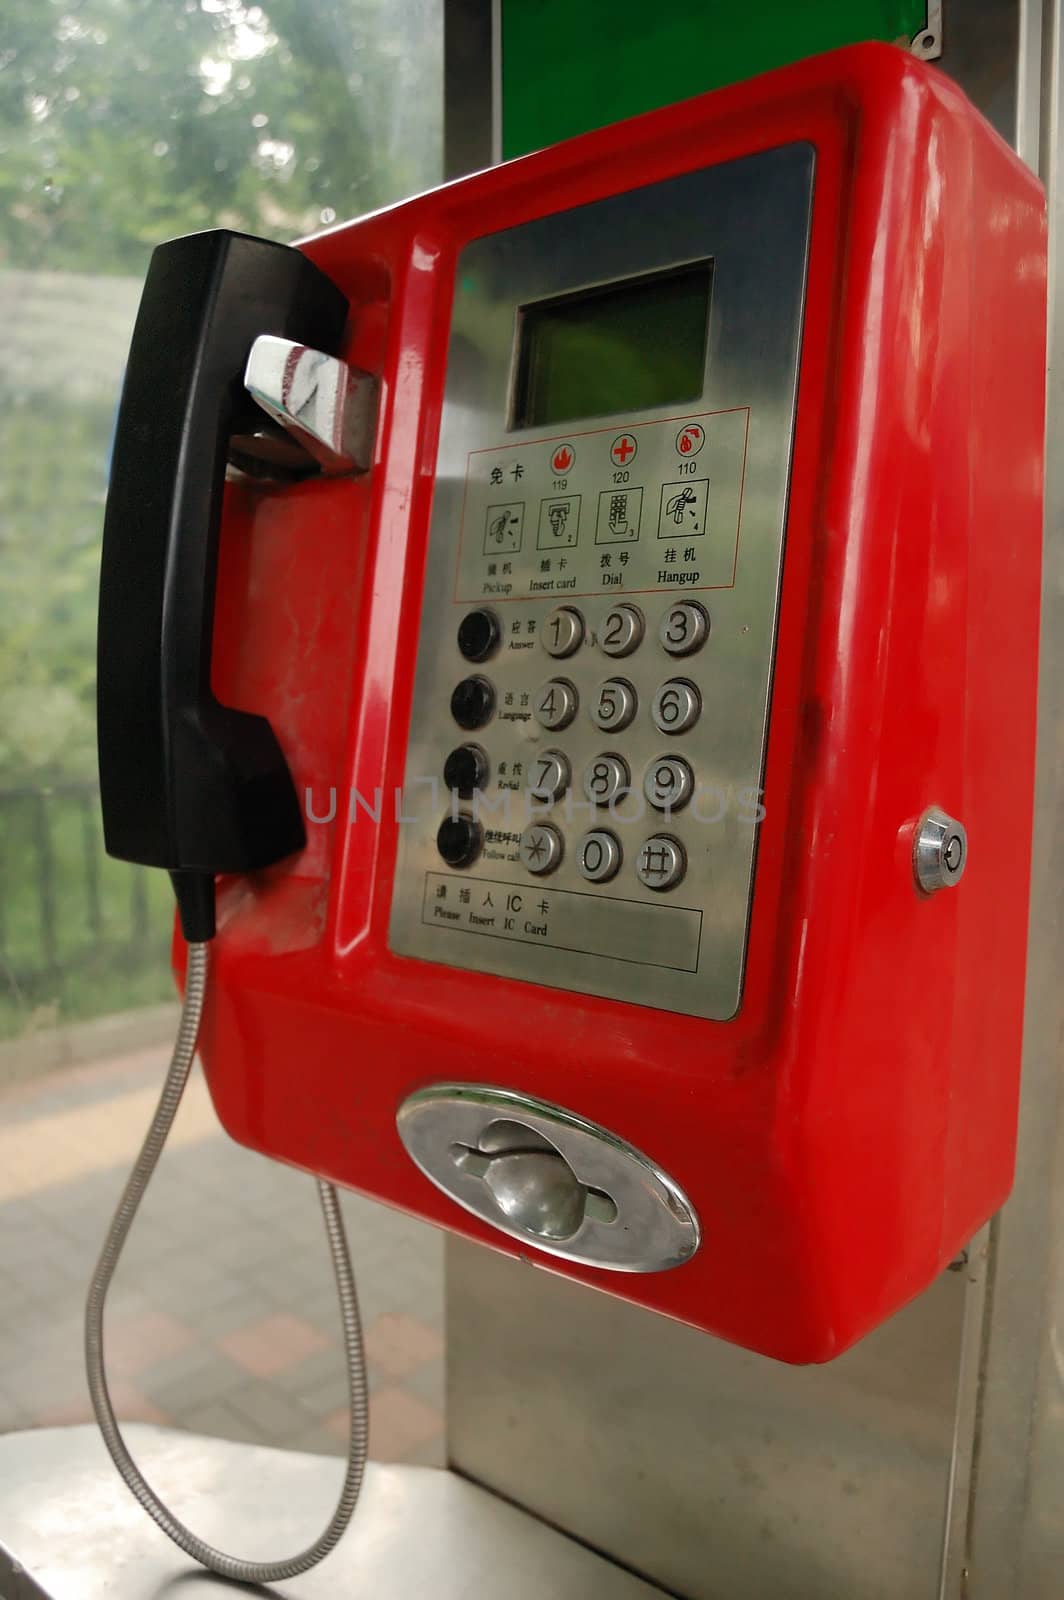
(540, 848)
(684, 628)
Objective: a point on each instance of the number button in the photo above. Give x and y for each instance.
(563, 631)
(676, 707)
(598, 856)
(614, 705)
(621, 631)
(661, 862)
(684, 628)
(606, 779)
(668, 784)
(555, 704)
(548, 775)
(540, 848)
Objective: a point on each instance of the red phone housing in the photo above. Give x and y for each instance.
(851, 1128)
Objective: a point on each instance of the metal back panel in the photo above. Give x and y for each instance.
(927, 1462)
(721, 1475)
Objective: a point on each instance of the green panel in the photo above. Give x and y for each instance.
(571, 65)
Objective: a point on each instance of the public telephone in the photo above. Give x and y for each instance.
(627, 601)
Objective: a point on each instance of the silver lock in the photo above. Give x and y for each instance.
(940, 851)
(548, 1177)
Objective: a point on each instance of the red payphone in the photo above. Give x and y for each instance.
(624, 817)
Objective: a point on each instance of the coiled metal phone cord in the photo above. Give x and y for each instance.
(169, 1100)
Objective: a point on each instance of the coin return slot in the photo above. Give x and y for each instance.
(531, 1182)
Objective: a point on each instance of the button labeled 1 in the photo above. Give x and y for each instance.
(614, 705)
(563, 631)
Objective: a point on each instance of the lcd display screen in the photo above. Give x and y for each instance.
(621, 347)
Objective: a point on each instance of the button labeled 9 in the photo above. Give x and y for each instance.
(669, 783)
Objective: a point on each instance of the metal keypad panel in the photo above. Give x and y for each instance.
(599, 616)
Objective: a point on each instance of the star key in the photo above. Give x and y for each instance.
(540, 849)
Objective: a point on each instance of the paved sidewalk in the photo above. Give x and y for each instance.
(223, 1315)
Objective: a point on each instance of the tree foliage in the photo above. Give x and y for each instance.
(123, 122)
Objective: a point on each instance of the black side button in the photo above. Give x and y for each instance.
(466, 770)
(473, 703)
(478, 635)
(458, 840)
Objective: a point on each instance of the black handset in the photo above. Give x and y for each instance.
(186, 783)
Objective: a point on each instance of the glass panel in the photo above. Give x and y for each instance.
(123, 123)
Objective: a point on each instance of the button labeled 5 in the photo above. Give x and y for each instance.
(614, 705)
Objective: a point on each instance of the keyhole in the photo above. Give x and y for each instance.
(531, 1182)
